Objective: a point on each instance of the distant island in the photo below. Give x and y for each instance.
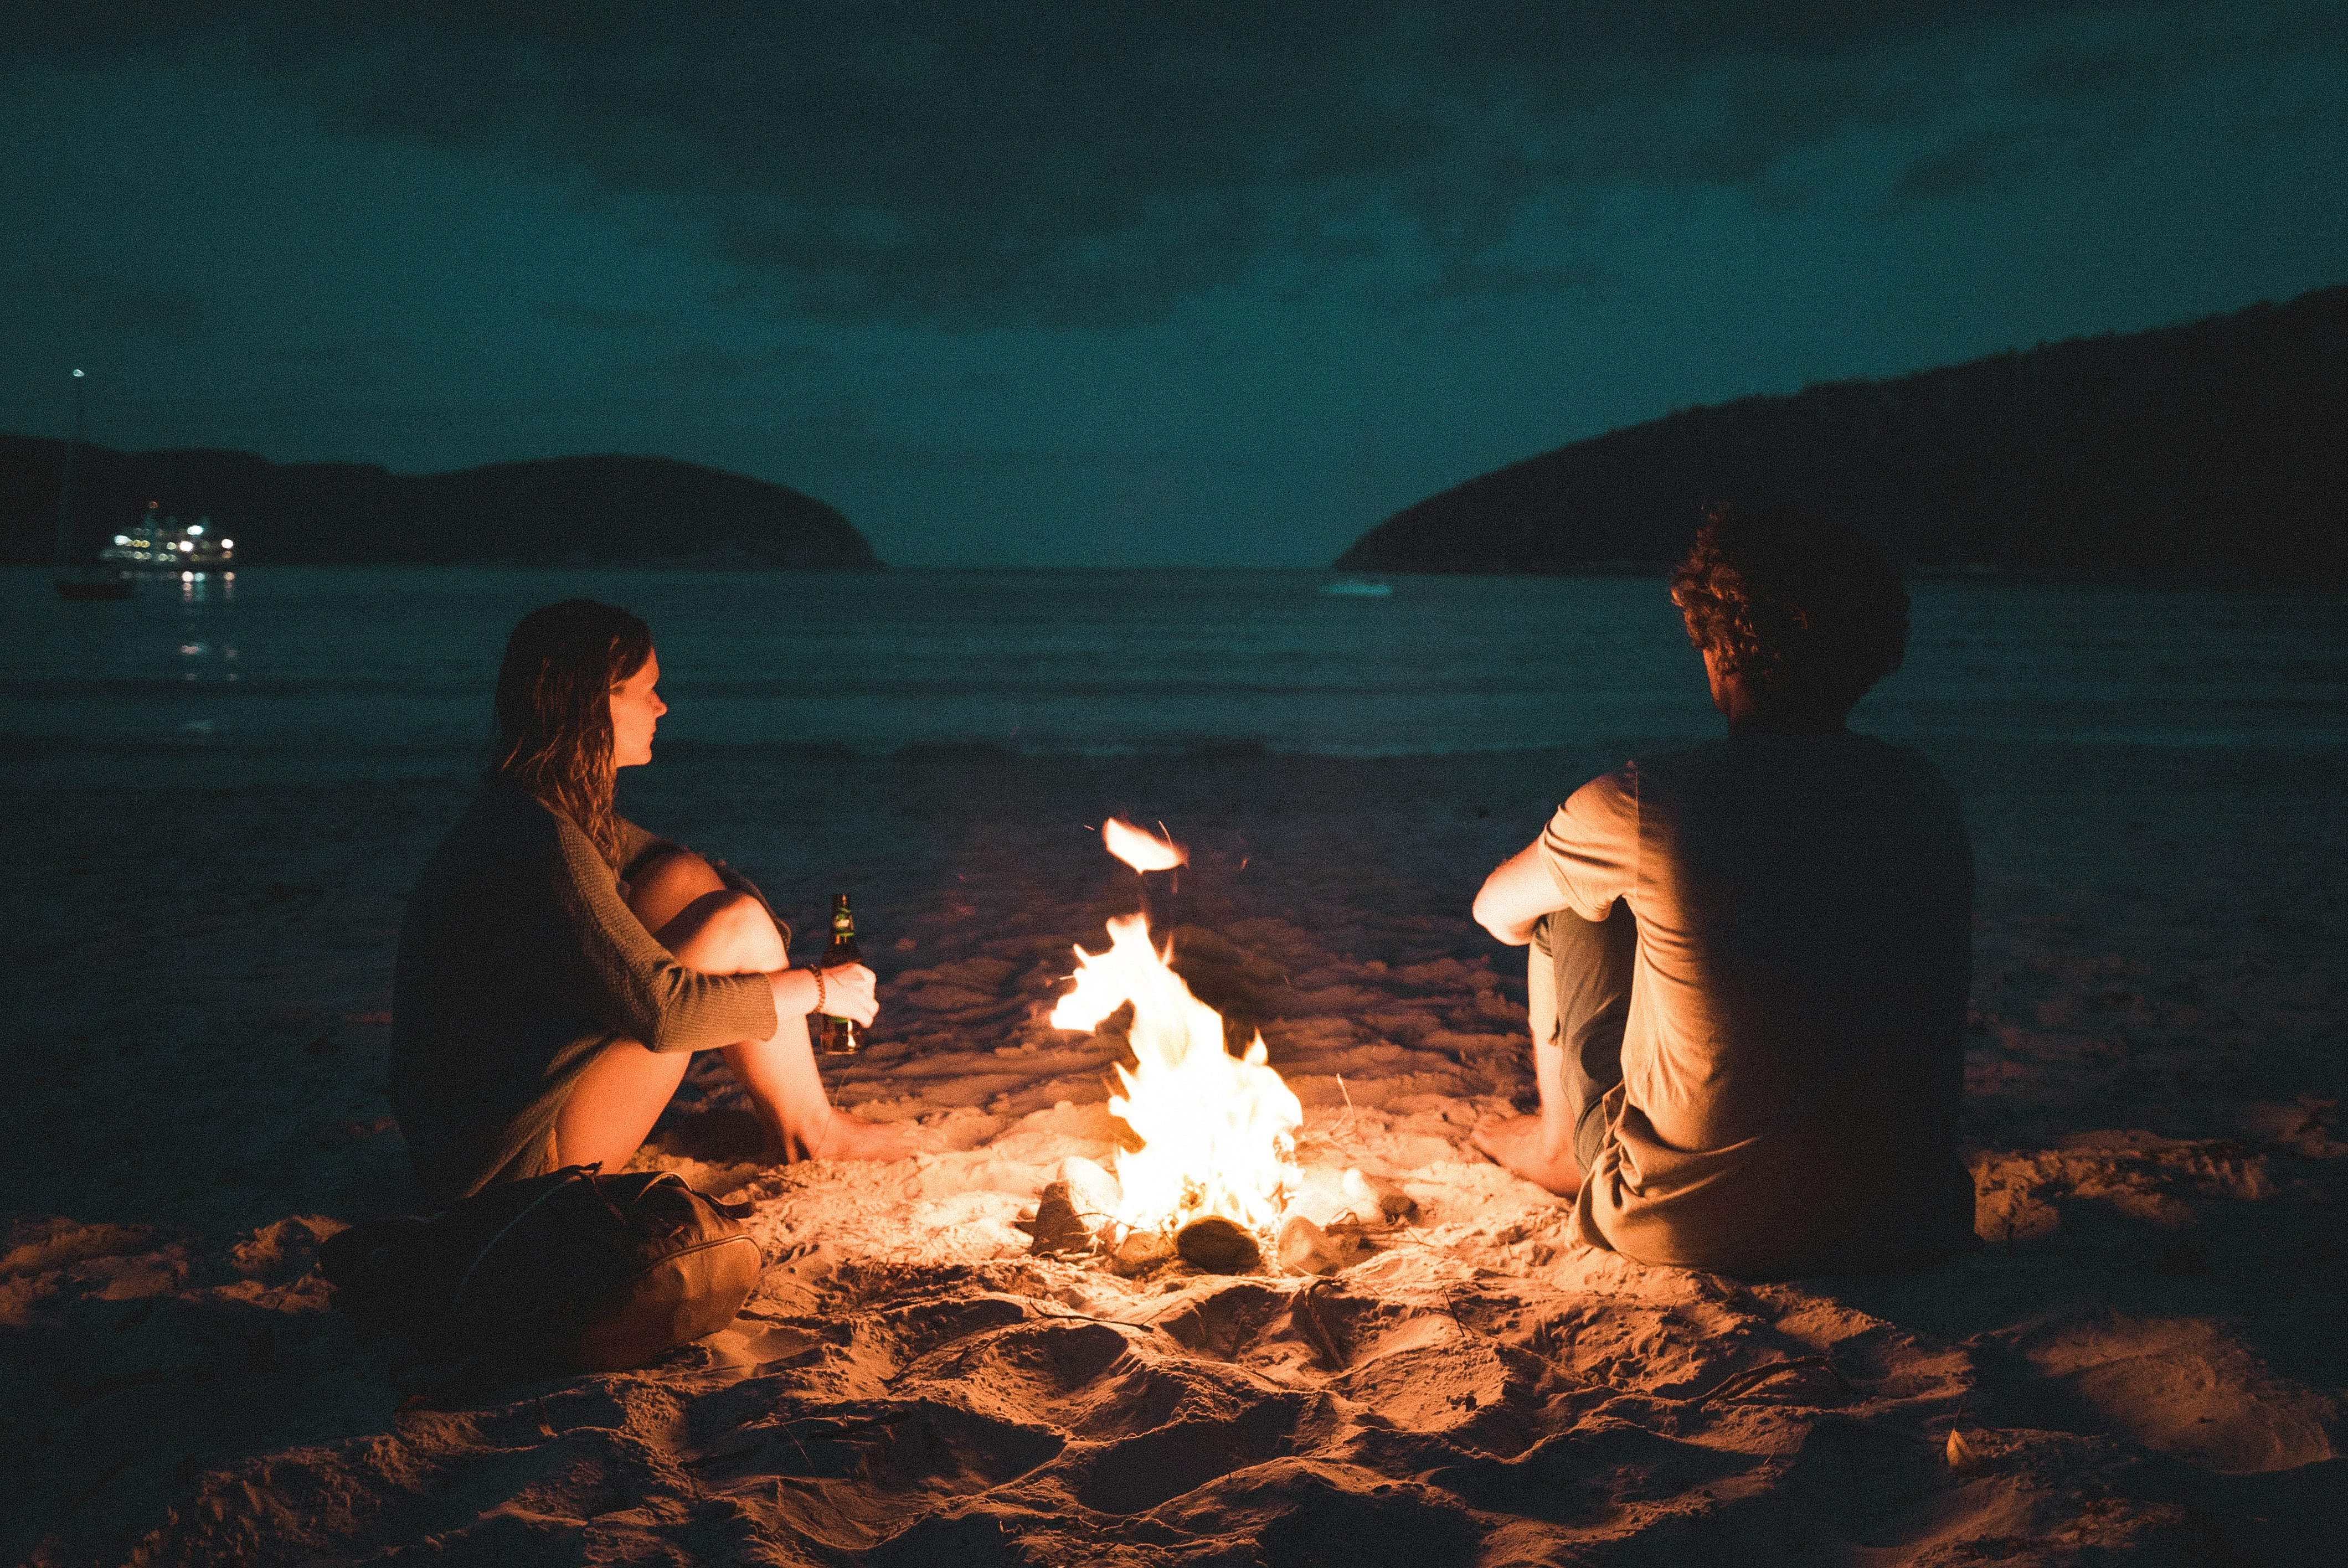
(2215, 452)
(557, 511)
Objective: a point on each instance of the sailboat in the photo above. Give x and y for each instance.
(78, 578)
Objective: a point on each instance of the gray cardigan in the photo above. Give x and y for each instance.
(518, 961)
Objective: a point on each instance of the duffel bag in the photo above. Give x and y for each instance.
(572, 1270)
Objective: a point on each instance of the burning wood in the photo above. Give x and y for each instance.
(1217, 1133)
(1215, 1175)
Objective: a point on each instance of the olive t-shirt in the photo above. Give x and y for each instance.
(1794, 1055)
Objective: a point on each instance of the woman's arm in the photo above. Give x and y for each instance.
(847, 992)
(615, 971)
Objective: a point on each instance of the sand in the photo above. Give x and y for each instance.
(2145, 1359)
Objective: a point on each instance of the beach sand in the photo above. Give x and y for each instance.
(2145, 1361)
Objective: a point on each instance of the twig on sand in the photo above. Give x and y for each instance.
(1304, 1310)
(791, 1431)
(1736, 1385)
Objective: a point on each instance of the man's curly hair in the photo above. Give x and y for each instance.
(1806, 609)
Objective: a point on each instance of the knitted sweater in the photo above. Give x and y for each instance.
(518, 961)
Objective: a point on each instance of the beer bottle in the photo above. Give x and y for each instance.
(838, 1036)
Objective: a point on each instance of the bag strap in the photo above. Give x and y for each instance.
(571, 1175)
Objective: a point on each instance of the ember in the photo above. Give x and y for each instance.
(1218, 1132)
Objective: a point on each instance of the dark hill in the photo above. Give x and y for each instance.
(2216, 451)
(645, 511)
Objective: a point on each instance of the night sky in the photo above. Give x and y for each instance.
(1109, 285)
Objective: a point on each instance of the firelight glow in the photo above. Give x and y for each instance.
(1218, 1132)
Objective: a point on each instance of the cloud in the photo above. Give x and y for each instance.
(159, 311)
(705, 362)
(74, 285)
(340, 354)
(572, 312)
(1096, 166)
(1977, 161)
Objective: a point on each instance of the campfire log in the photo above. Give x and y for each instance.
(1058, 1227)
(1140, 1252)
(1217, 1245)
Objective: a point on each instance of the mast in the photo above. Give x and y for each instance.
(66, 496)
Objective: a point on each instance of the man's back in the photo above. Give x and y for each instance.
(1794, 1055)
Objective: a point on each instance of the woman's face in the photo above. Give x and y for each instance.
(636, 709)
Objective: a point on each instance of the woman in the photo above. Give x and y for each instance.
(558, 964)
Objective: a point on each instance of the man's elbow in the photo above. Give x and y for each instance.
(1487, 914)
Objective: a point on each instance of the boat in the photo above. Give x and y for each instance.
(78, 578)
(160, 545)
(1357, 588)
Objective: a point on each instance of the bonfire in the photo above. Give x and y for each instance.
(1214, 1169)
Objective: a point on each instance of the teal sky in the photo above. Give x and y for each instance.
(1085, 286)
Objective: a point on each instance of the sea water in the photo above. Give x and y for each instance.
(327, 671)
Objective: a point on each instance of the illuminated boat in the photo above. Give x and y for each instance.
(160, 544)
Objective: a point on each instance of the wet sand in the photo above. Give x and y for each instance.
(2143, 1359)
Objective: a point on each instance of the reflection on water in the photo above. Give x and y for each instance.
(300, 670)
(200, 587)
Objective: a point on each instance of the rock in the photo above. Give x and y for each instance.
(1376, 1198)
(1056, 1227)
(1218, 1245)
(1308, 1249)
(1324, 1201)
(1095, 1194)
(1140, 1252)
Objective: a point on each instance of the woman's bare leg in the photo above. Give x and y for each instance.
(707, 927)
(612, 1106)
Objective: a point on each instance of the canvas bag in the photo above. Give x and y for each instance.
(572, 1270)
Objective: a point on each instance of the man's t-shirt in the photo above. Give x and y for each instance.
(1795, 1051)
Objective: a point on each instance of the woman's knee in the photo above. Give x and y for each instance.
(729, 933)
(663, 890)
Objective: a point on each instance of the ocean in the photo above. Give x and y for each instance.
(295, 673)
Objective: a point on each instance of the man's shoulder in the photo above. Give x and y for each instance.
(1848, 751)
(1676, 767)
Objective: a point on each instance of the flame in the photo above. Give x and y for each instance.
(1218, 1132)
(1142, 851)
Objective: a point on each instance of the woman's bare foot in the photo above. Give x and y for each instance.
(1527, 1145)
(847, 1137)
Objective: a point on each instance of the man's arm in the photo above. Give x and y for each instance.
(1515, 895)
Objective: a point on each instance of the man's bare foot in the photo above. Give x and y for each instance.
(1524, 1144)
(847, 1137)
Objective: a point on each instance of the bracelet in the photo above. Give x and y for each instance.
(819, 989)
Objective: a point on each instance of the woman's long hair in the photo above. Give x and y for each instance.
(554, 710)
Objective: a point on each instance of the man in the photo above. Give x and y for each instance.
(1750, 958)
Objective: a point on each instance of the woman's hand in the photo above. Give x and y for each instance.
(848, 992)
